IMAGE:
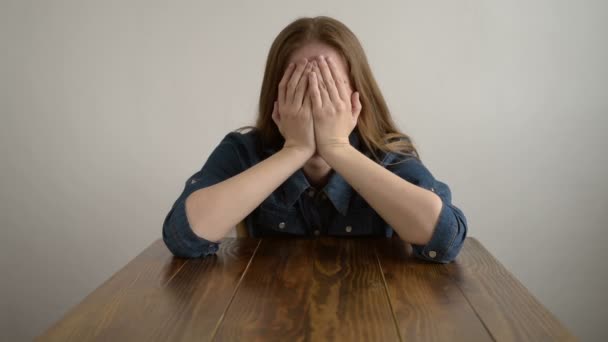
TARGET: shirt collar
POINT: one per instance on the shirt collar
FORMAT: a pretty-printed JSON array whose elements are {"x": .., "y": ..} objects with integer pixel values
[{"x": 337, "y": 189}]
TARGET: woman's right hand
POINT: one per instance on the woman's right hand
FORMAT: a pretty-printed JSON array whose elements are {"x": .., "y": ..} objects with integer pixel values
[{"x": 292, "y": 112}]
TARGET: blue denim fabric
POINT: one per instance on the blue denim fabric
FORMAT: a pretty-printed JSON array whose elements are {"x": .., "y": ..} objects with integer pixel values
[{"x": 298, "y": 209}]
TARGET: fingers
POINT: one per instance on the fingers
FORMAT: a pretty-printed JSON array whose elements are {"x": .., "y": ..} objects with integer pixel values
[
  {"x": 356, "y": 104},
  {"x": 301, "y": 88},
  {"x": 324, "y": 96},
  {"x": 283, "y": 83},
  {"x": 328, "y": 79},
  {"x": 339, "y": 79},
  {"x": 307, "y": 101},
  {"x": 313, "y": 90},
  {"x": 275, "y": 114},
  {"x": 295, "y": 79}
]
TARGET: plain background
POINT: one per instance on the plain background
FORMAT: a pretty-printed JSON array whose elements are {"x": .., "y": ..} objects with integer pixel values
[{"x": 107, "y": 107}]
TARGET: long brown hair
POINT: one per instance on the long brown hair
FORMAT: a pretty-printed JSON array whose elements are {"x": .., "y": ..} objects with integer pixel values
[{"x": 375, "y": 126}]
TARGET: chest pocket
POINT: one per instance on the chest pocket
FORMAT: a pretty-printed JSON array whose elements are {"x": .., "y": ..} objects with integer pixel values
[
  {"x": 272, "y": 220},
  {"x": 359, "y": 221}
]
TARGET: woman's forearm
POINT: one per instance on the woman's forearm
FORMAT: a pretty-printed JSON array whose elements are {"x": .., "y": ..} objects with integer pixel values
[
  {"x": 412, "y": 211},
  {"x": 214, "y": 210}
]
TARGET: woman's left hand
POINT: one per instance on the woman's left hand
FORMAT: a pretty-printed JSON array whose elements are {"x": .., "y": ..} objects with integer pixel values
[{"x": 335, "y": 107}]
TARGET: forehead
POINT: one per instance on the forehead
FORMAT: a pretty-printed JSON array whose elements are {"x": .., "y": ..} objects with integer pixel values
[{"x": 312, "y": 49}]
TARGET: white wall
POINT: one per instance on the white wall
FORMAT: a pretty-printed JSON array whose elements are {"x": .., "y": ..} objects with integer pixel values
[{"x": 108, "y": 106}]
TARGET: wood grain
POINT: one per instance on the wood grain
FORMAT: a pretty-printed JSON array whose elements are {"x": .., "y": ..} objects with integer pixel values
[
  {"x": 307, "y": 290},
  {"x": 503, "y": 304},
  {"x": 159, "y": 297},
  {"x": 311, "y": 290},
  {"x": 426, "y": 303}
]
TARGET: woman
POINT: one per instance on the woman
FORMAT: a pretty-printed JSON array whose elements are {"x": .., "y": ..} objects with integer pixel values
[{"x": 324, "y": 158}]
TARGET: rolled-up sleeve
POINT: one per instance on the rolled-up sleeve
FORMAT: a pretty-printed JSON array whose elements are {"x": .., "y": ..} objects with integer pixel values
[
  {"x": 180, "y": 239},
  {"x": 451, "y": 230}
]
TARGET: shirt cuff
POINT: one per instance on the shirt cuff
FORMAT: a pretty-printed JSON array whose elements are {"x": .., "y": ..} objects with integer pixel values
[
  {"x": 179, "y": 237},
  {"x": 443, "y": 246}
]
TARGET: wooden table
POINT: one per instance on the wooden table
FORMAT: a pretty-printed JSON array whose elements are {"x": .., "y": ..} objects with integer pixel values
[{"x": 323, "y": 289}]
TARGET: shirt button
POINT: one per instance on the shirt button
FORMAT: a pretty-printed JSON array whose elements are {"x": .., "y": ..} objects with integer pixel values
[
  {"x": 281, "y": 225},
  {"x": 433, "y": 189},
  {"x": 317, "y": 232},
  {"x": 432, "y": 254},
  {"x": 349, "y": 229},
  {"x": 311, "y": 193}
]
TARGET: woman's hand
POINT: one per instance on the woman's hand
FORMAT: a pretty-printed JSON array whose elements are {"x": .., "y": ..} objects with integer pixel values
[
  {"x": 292, "y": 112},
  {"x": 335, "y": 106}
]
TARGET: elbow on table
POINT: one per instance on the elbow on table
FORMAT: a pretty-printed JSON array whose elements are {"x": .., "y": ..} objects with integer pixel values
[
  {"x": 447, "y": 239},
  {"x": 182, "y": 249},
  {"x": 181, "y": 240}
]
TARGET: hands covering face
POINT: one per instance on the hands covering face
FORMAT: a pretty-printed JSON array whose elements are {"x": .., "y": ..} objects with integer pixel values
[
  {"x": 335, "y": 107},
  {"x": 316, "y": 108}
]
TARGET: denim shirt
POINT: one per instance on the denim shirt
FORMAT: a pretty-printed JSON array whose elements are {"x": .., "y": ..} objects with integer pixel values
[{"x": 298, "y": 209}]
